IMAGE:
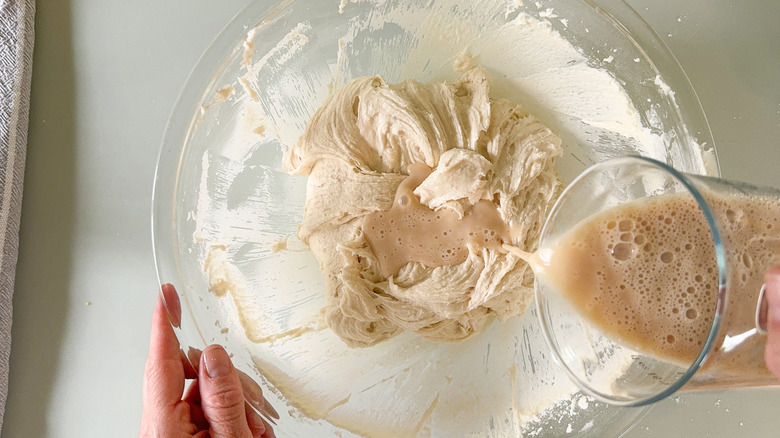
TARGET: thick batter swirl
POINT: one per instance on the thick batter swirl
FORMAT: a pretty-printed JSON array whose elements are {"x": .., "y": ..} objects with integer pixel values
[{"x": 358, "y": 149}]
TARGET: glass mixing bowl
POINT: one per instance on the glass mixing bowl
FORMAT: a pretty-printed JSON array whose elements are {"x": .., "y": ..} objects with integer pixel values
[{"x": 225, "y": 214}]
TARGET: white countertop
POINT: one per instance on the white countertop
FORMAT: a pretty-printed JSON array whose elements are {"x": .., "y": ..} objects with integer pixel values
[{"x": 105, "y": 76}]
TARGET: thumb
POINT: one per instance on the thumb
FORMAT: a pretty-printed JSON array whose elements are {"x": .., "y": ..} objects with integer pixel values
[
  {"x": 772, "y": 352},
  {"x": 222, "y": 397}
]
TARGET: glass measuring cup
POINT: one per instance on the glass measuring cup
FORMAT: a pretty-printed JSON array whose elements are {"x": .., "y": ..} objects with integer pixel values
[{"x": 607, "y": 343}]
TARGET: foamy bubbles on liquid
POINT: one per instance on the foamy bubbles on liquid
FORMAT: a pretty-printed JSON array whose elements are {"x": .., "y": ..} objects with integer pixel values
[
  {"x": 646, "y": 271},
  {"x": 411, "y": 232},
  {"x": 646, "y": 274}
]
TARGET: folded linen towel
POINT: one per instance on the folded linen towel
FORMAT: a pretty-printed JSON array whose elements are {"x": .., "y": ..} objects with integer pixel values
[{"x": 16, "y": 47}]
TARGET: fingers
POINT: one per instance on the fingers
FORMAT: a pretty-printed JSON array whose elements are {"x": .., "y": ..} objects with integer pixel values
[
  {"x": 189, "y": 371},
  {"x": 257, "y": 425},
  {"x": 192, "y": 397},
  {"x": 772, "y": 352},
  {"x": 254, "y": 396},
  {"x": 216, "y": 400},
  {"x": 172, "y": 304},
  {"x": 222, "y": 397},
  {"x": 253, "y": 393},
  {"x": 254, "y": 402},
  {"x": 164, "y": 373}
]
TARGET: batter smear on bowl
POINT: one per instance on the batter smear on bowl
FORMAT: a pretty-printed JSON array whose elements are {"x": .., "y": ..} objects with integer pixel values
[{"x": 412, "y": 190}]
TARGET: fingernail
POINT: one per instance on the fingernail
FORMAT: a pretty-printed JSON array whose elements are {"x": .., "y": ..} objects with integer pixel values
[
  {"x": 193, "y": 354},
  {"x": 172, "y": 304},
  {"x": 271, "y": 409},
  {"x": 216, "y": 361}
]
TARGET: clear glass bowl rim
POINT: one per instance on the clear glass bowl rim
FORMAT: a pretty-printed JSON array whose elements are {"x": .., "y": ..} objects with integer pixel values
[{"x": 184, "y": 115}]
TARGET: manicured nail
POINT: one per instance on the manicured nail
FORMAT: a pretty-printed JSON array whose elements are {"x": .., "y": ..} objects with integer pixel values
[
  {"x": 216, "y": 361},
  {"x": 271, "y": 410},
  {"x": 172, "y": 304},
  {"x": 193, "y": 354}
]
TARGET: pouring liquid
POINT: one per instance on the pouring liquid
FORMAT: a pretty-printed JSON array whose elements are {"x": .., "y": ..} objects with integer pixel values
[{"x": 645, "y": 274}]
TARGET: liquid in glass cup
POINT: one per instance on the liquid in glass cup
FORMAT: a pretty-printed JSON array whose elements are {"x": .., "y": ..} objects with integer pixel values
[{"x": 648, "y": 280}]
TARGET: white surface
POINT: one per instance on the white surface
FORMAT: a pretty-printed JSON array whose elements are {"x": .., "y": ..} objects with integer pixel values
[{"x": 105, "y": 76}]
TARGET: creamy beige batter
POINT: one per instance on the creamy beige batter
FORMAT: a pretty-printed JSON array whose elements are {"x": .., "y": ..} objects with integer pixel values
[
  {"x": 412, "y": 232},
  {"x": 357, "y": 150},
  {"x": 646, "y": 273}
]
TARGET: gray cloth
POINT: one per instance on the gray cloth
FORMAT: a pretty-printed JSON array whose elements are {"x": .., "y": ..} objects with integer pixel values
[{"x": 16, "y": 48}]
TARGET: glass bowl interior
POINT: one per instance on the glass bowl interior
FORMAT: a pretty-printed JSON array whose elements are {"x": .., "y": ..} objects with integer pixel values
[{"x": 225, "y": 215}]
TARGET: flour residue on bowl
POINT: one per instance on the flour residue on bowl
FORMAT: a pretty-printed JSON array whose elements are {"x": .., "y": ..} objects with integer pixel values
[{"x": 499, "y": 383}]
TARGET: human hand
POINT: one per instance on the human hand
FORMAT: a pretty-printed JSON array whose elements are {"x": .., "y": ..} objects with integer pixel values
[
  {"x": 214, "y": 405},
  {"x": 772, "y": 297}
]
